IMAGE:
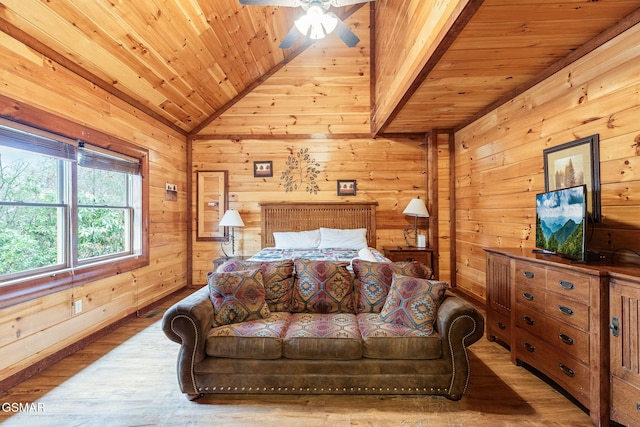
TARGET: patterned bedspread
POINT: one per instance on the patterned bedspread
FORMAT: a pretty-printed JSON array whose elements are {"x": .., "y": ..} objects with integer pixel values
[{"x": 273, "y": 254}]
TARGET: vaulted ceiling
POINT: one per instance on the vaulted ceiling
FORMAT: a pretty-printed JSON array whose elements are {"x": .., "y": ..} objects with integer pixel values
[{"x": 187, "y": 62}]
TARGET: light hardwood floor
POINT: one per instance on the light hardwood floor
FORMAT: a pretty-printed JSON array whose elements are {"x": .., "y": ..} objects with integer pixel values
[{"x": 128, "y": 378}]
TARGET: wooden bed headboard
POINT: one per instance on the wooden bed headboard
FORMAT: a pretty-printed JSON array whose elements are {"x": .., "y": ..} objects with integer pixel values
[{"x": 302, "y": 216}]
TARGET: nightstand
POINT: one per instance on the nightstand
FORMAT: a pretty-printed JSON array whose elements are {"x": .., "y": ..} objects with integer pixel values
[
  {"x": 407, "y": 253},
  {"x": 219, "y": 261}
]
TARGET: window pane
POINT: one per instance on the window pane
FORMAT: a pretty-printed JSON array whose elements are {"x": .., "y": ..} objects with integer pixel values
[
  {"x": 102, "y": 188},
  {"x": 28, "y": 177},
  {"x": 30, "y": 238},
  {"x": 102, "y": 231}
]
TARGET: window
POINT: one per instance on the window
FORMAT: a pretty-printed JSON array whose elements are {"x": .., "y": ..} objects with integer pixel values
[{"x": 70, "y": 211}]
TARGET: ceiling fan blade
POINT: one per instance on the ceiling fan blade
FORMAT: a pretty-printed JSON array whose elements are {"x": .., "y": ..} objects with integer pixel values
[
  {"x": 288, "y": 3},
  {"x": 345, "y": 33},
  {"x": 340, "y": 3},
  {"x": 290, "y": 38}
]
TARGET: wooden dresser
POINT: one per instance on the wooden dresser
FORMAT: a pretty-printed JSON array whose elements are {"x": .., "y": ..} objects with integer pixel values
[
  {"x": 554, "y": 316},
  {"x": 624, "y": 313}
]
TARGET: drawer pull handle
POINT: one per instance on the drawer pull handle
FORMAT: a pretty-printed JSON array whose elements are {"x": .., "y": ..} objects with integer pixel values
[
  {"x": 530, "y": 348},
  {"x": 638, "y": 406},
  {"x": 565, "y": 310},
  {"x": 528, "y": 274},
  {"x": 566, "y": 339},
  {"x": 567, "y": 370},
  {"x": 501, "y": 325},
  {"x": 528, "y": 320},
  {"x": 567, "y": 285},
  {"x": 528, "y": 296},
  {"x": 615, "y": 326}
]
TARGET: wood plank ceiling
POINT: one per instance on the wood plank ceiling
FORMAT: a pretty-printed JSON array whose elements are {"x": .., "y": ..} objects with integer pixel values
[{"x": 185, "y": 62}]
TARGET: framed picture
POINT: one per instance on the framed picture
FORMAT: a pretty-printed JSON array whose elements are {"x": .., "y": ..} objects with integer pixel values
[
  {"x": 346, "y": 187},
  {"x": 262, "y": 169},
  {"x": 575, "y": 163}
]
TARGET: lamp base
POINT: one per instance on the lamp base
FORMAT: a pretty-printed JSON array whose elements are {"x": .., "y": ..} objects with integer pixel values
[{"x": 410, "y": 236}]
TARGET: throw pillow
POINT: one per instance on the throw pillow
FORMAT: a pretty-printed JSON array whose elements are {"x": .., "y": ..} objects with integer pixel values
[
  {"x": 331, "y": 238},
  {"x": 296, "y": 239},
  {"x": 238, "y": 296},
  {"x": 373, "y": 280},
  {"x": 277, "y": 278},
  {"x": 322, "y": 287},
  {"x": 413, "y": 302}
]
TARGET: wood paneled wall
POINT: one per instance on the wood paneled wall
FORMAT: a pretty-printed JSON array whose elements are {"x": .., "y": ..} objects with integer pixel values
[
  {"x": 389, "y": 171},
  {"x": 499, "y": 158},
  {"x": 32, "y": 331}
]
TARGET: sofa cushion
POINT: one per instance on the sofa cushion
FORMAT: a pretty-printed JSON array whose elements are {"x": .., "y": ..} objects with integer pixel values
[
  {"x": 322, "y": 287},
  {"x": 413, "y": 302},
  {"x": 277, "y": 278},
  {"x": 255, "y": 339},
  {"x": 373, "y": 280},
  {"x": 237, "y": 296},
  {"x": 323, "y": 336},
  {"x": 383, "y": 340}
]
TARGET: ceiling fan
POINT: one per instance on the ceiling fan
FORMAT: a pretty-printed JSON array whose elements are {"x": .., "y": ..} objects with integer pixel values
[{"x": 317, "y": 22}]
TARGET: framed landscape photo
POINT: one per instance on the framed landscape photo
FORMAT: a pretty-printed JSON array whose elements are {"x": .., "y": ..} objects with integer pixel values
[
  {"x": 346, "y": 187},
  {"x": 263, "y": 169},
  {"x": 576, "y": 163}
]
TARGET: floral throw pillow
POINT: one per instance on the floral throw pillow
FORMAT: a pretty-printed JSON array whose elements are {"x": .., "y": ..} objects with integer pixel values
[
  {"x": 322, "y": 287},
  {"x": 413, "y": 302},
  {"x": 373, "y": 280},
  {"x": 238, "y": 296}
]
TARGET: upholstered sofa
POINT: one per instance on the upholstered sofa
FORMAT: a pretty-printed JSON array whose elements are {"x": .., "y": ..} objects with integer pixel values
[{"x": 322, "y": 327}]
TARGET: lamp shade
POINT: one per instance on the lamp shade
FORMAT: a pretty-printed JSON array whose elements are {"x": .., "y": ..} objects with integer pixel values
[
  {"x": 231, "y": 218},
  {"x": 416, "y": 207}
]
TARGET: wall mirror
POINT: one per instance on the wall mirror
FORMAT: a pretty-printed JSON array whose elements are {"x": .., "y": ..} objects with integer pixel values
[{"x": 212, "y": 203}]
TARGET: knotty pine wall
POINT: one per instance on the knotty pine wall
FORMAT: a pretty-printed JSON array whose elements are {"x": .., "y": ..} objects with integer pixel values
[
  {"x": 499, "y": 158},
  {"x": 32, "y": 331},
  {"x": 389, "y": 171}
]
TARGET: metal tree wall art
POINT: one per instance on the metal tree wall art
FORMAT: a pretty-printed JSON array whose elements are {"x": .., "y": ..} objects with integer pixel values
[{"x": 302, "y": 171}]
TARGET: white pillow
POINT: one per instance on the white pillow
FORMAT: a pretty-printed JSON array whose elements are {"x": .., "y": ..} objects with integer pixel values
[
  {"x": 296, "y": 239},
  {"x": 365, "y": 254},
  {"x": 355, "y": 238}
]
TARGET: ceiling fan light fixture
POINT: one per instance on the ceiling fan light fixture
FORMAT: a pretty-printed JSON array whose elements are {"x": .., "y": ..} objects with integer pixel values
[{"x": 316, "y": 24}]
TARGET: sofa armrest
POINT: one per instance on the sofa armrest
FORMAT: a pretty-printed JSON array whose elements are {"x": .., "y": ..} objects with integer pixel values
[
  {"x": 187, "y": 322},
  {"x": 460, "y": 325}
]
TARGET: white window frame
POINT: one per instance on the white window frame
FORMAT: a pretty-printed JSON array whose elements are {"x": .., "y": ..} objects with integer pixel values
[{"x": 22, "y": 286}]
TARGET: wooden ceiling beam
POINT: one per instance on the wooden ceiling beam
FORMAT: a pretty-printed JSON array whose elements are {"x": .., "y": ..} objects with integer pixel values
[{"x": 447, "y": 40}]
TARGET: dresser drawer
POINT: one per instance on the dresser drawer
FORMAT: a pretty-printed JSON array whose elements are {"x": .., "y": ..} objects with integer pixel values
[
  {"x": 567, "y": 310},
  {"x": 569, "y": 284},
  {"x": 569, "y": 373},
  {"x": 563, "y": 337},
  {"x": 533, "y": 297},
  {"x": 530, "y": 275},
  {"x": 499, "y": 326},
  {"x": 625, "y": 402}
]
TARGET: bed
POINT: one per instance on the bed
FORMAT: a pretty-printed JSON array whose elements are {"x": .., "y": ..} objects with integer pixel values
[{"x": 293, "y": 219}]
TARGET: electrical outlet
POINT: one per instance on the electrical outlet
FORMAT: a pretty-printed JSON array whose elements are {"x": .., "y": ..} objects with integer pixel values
[{"x": 78, "y": 306}]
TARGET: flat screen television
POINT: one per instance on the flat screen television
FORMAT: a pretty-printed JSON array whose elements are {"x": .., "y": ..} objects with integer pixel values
[{"x": 561, "y": 221}]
